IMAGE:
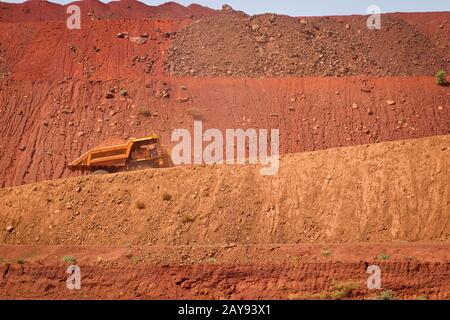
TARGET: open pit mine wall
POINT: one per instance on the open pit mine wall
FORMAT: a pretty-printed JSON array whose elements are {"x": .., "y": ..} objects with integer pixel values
[
  {"x": 47, "y": 124},
  {"x": 395, "y": 191}
]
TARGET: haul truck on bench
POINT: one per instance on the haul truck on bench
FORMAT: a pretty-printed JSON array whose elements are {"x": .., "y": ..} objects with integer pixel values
[{"x": 135, "y": 154}]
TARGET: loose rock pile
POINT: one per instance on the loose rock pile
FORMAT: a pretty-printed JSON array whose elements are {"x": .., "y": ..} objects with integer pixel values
[{"x": 272, "y": 45}]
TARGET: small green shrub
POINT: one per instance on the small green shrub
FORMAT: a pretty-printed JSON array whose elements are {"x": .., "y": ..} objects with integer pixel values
[
  {"x": 343, "y": 289},
  {"x": 384, "y": 256},
  {"x": 326, "y": 253},
  {"x": 21, "y": 261},
  {"x": 69, "y": 259},
  {"x": 441, "y": 78},
  {"x": 338, "y": 295},
  {"x": 386, "y": 295}
]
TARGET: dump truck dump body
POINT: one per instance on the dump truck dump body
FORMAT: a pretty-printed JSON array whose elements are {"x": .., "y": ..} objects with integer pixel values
[{"x": 136, "y": 152}]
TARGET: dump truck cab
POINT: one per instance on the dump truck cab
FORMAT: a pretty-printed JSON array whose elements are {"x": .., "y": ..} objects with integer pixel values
[{"x": 135, "y": 154}]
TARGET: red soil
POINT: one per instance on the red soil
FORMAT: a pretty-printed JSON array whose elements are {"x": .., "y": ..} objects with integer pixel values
[
  {"x": 62, "y": 93},
  {"x": 48, "y": 124},
  {"x": 228, "y": 232},
  {"x": 270, "y": 45},
  {"x": 95, "y": 51},
  {"x": 30, "y": 11},
  {"x": 37, "y": 10},
  {"x": 392, "y": 191},
  {"x": 434, "y": 24},
  {"x": 411, "y": 271},
  {"x": 50, "y": 51}
]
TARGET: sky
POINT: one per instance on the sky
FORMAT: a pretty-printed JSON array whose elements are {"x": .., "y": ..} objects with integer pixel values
[{"x": 312, "y": 7}]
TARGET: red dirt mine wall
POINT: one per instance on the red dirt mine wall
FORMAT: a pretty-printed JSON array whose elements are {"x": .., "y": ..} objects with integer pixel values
[
  {"x": 222, "y": 231},
  {"x": 392, "y": 191},
  {"x": 37, "y": 10},
  {"x": 298, "y": 281},
  {"x": 222, "y": 46},
  {"x": 50, "y": 51},
  {"x": 48, "y": 124}
]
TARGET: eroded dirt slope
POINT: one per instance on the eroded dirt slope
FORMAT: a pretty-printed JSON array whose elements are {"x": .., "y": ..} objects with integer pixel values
[
  {"x": 106, "y": 49},
  {"x": 409, "y": 271},
  {"x": 383, "y": 192},
  {"x": 45, "y": 125}
]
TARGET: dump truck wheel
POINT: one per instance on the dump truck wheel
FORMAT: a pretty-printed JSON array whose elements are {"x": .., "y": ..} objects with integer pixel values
[{"x": 99, "y": 172}]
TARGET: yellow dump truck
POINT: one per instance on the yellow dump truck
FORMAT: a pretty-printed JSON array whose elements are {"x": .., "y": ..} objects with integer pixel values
[{"x": 135, "y": 154}]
